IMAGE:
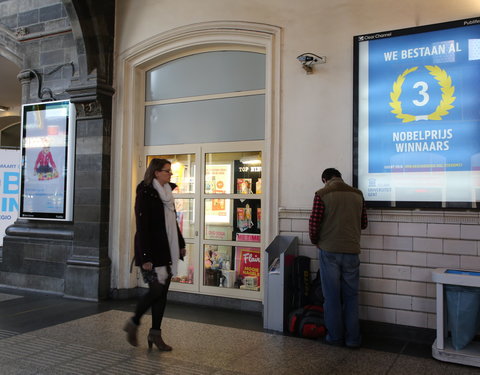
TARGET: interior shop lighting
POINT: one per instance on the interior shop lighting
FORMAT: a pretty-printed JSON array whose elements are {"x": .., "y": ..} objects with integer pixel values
[
  {"x": 3, "y": 108},
  {"x": 255, "y": 159}
]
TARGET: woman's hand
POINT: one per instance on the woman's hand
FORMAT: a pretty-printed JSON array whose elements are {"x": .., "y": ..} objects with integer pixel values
[{"x": 147, "y": 266}]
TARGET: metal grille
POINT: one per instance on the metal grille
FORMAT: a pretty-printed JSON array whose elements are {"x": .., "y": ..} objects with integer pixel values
[
  {"x": 6, "y": 334},
  {"x": 47, "y": 356}
]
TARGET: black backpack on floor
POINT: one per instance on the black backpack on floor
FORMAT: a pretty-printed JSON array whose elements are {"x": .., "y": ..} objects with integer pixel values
[
  {"x": 316, "y": 293},
  {"x": 300, "y": 282}
]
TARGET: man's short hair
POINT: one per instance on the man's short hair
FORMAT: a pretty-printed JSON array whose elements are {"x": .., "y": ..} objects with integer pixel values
[{"x": 329, "y": 173}]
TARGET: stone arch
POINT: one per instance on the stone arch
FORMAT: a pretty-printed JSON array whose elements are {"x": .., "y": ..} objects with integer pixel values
[
  {"x": 10, "y": 48},
  {"x": 92, "y": 24}
]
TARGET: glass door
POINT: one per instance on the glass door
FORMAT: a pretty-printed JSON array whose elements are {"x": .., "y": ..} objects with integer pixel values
[
  {"x": 219, "y": 209},
  {"x": 231, "y": 225}
]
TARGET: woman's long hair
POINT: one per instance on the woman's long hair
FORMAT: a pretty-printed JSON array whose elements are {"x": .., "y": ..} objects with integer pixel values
[{"x": 155, "y": 165}]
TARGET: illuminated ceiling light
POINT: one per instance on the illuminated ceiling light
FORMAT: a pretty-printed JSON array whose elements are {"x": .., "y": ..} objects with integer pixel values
[
  {"x": 3, "y": 108},
  {"x": 255, "y": 159},
  {"x": 176, "y": 167}
]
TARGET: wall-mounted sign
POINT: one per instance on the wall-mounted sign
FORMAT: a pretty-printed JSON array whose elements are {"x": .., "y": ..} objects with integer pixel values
[
  {"x": 9, "y": 188},
  {"x": 48, "y": 151},
  {"x": 417, "y": 124}
]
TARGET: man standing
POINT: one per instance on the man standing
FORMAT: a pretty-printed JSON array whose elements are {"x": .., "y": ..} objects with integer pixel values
[{"x": 335, "y": 225}]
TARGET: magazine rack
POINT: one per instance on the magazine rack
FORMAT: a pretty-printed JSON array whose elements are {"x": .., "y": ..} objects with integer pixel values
[
  {"x": 278, "y": 293},
  {"x": 442, "y": 348}
]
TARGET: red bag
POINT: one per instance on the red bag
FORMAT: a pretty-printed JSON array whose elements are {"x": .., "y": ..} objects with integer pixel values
[{"x": 307, "y": 321}]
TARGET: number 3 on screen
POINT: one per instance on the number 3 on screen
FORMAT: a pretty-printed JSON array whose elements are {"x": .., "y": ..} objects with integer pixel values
[{"x": 423, "y": 92}]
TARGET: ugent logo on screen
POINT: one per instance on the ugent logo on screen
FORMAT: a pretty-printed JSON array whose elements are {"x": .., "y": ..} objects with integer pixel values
[{"x": 445, "y": 82}]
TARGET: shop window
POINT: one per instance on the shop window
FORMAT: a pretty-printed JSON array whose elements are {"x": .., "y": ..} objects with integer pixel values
[
  {"x": 232, "y": 267},
  {"x": 232, "y": 213}
]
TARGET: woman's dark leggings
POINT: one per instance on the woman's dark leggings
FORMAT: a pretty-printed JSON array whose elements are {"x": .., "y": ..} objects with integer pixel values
[{"x": 155, "y": 298}]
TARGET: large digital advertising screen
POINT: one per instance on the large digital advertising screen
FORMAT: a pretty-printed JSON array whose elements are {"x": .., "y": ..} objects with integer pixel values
[
  {"x": 417, "y": 116},
  {"x": 48, "y": 151}
]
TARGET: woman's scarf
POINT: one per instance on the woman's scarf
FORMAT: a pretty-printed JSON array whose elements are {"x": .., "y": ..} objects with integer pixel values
[{"x": 166, "y": 196}]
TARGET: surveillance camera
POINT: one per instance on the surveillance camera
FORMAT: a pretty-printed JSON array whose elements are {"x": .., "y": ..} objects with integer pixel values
[
  {"x": 307, "y": 58},
  {"x": 311, "y": 58}
]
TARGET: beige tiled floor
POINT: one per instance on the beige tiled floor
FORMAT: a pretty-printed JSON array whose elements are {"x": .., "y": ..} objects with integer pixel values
[{"x": 96, "y": 345}]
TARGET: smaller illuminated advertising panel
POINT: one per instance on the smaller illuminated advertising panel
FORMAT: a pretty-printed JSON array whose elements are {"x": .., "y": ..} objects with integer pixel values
[{"x": 48, "y": 150}]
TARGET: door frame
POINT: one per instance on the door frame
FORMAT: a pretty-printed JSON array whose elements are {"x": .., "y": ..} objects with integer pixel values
[{"x": 127, "y": 144}]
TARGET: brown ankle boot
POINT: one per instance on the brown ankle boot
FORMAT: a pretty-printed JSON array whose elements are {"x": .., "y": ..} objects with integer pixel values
[
  {"x": 131, "y": 328},
  {"x": 155, "y": 337}
]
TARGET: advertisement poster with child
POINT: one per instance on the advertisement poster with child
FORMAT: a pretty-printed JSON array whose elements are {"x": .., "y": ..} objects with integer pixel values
[{"x": 45, "y": 147}]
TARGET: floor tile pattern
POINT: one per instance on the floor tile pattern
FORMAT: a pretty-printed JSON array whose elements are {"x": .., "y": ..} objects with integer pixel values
[
  {"x": 49, "y": 335},
  {"x": 96, "y": 345}
]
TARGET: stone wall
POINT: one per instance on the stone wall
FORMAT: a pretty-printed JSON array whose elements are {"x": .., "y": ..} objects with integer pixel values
[
  {"x": 44, "y": 37},
  {"x": 35, "y": 253},
  {"x": 66, "y": 52}
]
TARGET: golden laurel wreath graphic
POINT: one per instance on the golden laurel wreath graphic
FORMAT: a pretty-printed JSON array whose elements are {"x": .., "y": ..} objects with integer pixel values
[{"x": 445, "y": 82}]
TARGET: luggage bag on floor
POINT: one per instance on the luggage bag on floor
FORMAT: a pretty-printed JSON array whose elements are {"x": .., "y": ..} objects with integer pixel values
[
  {"x": 300, "y": 282},
  {"x": 307, "y": 321}
]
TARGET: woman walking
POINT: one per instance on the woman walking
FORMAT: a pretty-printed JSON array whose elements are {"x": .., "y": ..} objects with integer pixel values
[{"x": 159, "y": 245}]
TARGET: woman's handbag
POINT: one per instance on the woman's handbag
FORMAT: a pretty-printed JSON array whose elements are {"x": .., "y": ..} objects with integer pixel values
[{"x": 149, "y": 276}]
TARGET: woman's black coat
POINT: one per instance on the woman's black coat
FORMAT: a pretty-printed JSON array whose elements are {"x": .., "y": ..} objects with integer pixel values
[{"x": 151, "y": 242}]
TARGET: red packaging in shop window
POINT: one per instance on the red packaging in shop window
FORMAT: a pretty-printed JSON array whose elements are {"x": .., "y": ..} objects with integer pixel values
[{"x": 248, "y": 262}]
